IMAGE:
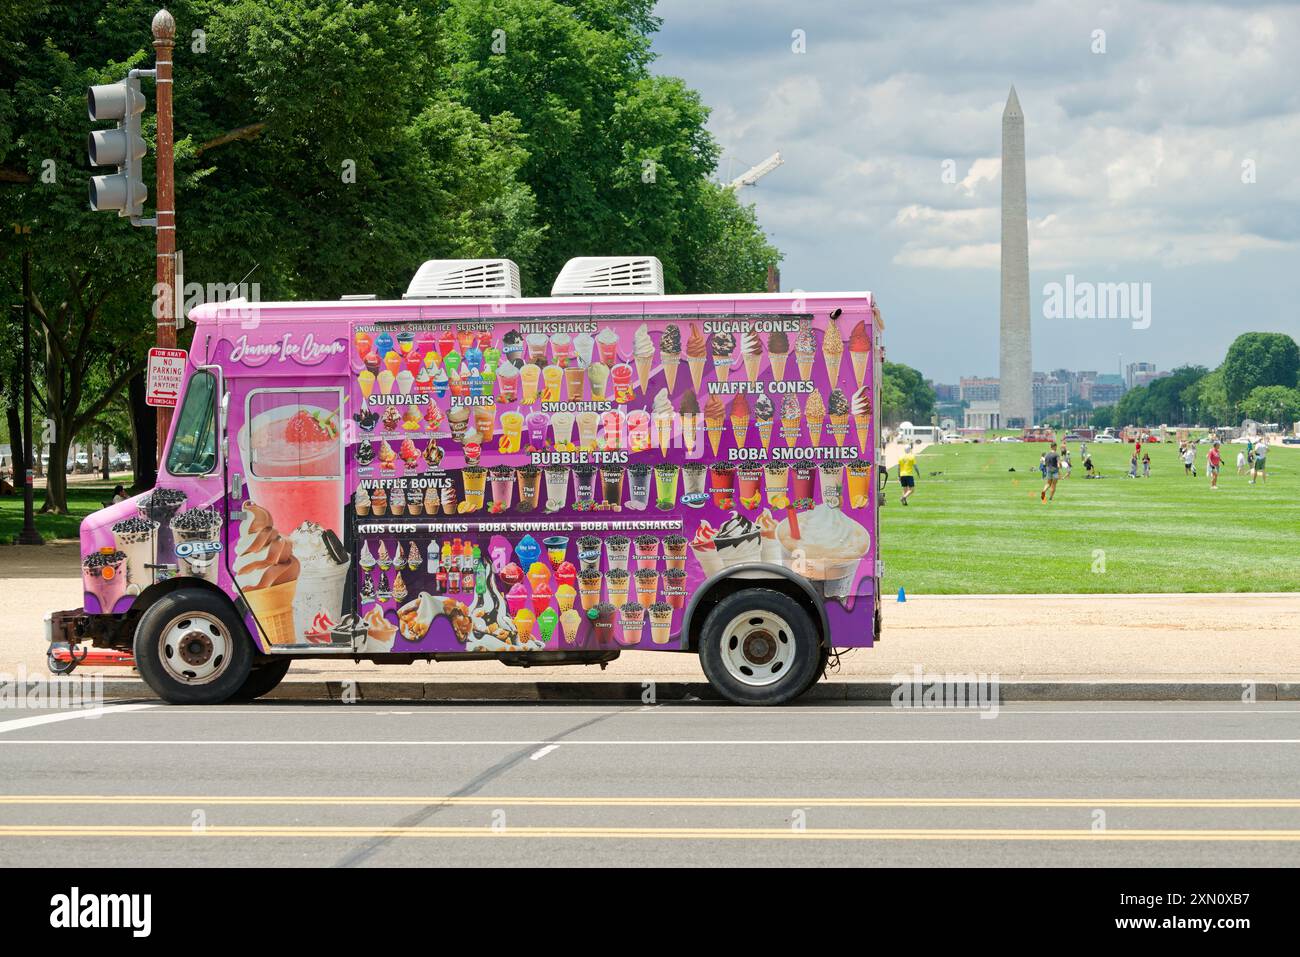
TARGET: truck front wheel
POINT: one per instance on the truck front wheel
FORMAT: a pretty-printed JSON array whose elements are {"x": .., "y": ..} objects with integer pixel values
[
  {"x": 262, "y": 680},
  {"x": 191, "y": 648},
  {"x": 759, "y": 647}
]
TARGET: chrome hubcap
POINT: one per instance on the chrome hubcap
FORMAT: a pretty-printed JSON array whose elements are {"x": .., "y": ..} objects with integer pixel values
[
  {"x": 195, "y": 648},
  {"x": 757, "y": 648}
]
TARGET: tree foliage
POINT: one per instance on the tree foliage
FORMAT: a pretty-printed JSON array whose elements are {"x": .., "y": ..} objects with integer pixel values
[
  {"x": 905, "y": 396},
  {"x": 1272, "y": 403},
  {"x": 326, "y": 147},
  {"x": 1163, "y": 401},
  {"x": 1259, "y": 359}
]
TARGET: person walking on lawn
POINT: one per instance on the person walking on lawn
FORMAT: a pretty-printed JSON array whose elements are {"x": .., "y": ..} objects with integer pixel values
[
  {"x": 1261, "y": 454},
  {"x": 907, "y": 474},
  {"x": 1052, "y": 473},
  {"x": 1214, "y": 460}
]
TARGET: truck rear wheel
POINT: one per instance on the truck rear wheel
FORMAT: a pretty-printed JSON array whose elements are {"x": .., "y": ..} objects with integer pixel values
[
  {"x": 262, "y": 680},
  {"x": 759, "y": 647},
  {"x": 191, "y": 648}
]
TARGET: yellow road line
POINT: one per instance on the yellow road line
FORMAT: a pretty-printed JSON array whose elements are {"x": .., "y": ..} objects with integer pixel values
[
  {"x": 729, "y": 802},
  {"x": 650, "y": 833}
]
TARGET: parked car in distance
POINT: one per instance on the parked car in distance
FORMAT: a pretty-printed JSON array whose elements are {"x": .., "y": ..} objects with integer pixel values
[{"x": 1106, "y": 440}]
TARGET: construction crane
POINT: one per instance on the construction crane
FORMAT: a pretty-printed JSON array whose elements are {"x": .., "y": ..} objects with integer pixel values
[{"x": 752, "y": 176}]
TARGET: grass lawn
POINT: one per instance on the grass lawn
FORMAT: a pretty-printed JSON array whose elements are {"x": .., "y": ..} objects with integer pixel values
[
  {"x": 976, "y": 527},
  {"x": 83, "y": 498}
]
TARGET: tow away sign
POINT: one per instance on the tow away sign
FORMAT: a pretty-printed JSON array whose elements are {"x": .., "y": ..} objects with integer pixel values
[{"x": 166, "y": 369}]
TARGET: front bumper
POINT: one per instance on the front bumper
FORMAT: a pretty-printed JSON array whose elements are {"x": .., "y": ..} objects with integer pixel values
[{"x": 65, "y": 630}]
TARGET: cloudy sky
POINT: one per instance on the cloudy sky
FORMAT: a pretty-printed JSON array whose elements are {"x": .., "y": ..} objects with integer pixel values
[{"x": 1135, "y": 161}]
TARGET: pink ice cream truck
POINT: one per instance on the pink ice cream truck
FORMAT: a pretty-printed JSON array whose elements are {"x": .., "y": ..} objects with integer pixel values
[{"x": 464, "y": 474}]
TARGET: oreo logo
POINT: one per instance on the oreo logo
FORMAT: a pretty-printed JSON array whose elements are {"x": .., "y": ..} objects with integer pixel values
[
  {"x": 196, "y": 549},
  {"x": 695, "y": 499}
]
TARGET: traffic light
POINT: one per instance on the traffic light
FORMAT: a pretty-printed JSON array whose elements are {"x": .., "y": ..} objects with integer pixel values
[{"x": 122, "y": 147}]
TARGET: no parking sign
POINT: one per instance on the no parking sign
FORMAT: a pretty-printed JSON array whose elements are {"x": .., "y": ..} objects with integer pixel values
[{"x": 166, "y": 370}]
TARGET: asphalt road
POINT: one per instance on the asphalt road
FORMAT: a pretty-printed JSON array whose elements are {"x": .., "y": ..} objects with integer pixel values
[{"x": 369, "y": 785}]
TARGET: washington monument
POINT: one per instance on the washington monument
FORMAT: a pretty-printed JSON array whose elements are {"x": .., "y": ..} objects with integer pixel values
[{"x": 1016, "y": 372}]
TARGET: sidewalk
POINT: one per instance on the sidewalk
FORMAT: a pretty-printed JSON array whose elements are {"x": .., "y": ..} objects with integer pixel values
[{"x": 1130, "y": 638}]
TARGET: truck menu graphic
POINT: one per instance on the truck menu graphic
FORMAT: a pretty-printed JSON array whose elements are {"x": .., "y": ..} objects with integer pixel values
[
  {"x": 481, "y": 484},
  {"x": 567, "y": 483}
]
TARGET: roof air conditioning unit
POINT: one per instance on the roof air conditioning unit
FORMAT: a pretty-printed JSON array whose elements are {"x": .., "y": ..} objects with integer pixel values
[
  {"x": 610, "y": 275},
  {"x": 465, "y": 279}
]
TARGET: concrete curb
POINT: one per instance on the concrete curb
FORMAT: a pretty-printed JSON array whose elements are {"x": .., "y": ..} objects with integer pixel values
[{"x": 633, "y": 691}]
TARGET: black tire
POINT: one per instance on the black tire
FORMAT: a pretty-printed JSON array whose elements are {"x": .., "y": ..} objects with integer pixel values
[
  {"x": 262, "y": 680},
  {"x": 823, "y": 659},
  {"x": 202, "y": 616},
  {"x": 724, "y": 655}
]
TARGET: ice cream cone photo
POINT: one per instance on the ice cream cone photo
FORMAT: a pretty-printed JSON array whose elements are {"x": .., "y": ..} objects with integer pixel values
[
  {"x": 715, "y": 414},
  {"x": 832, "y": 347},
  {"x": 862, "y": 428},
  {"x": 670, "y": 354},
  {"x": 840, "y": 428},
  {"x": 691, "y": 433},
  {"x": 777, "y": 360},
  {"x": 696, "y": 365},
  {"x": 273, "y": 609},
  {"x": 692, "y": 420},
  {"x": 739, "y": 415},
  {"x": 671, "y": 362},
  {"x": 643, "y": 350},
  {"x": 696, "y": 355},
  {"x": 805, "y": 350},
  {"x": 860, "y": 367},
  {"x": 815, "y": 412},
  {"x": 791, "y": 420},
  {"x": 860, "y": 351}
]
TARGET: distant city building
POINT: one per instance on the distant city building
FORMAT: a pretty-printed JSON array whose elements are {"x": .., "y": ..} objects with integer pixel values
[
  {"x": 979, "y": 390},
  {"x": 1146, "y": 378},
  {"x": 1106, "y": 390},
  {"x": 982, "y": 414},
  {"x": 1049, "y": 393},
  {"x": 946, "y": 393},
  {"x": 1135, "y": 371}
]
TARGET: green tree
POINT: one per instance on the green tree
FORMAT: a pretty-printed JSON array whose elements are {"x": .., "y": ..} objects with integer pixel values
[
  {"x": 1257, "y": 359},
  {"x": 1272, "y": 403},
  {"x": 618, "y": 158},
  {"x": 329, "y": 146},
  {"x": 315, "y": 153},
  {"x": 905, "y": 396}
]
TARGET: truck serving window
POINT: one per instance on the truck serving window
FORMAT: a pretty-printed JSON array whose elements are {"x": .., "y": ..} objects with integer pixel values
[{"x": 194, "y": 441}]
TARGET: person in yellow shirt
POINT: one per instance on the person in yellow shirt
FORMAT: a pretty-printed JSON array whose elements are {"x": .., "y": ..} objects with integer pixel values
[{"x": 907, "y": 473}]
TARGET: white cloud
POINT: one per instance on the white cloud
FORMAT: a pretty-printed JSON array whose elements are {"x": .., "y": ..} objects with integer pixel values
[{"x": 1134, "y": 157}]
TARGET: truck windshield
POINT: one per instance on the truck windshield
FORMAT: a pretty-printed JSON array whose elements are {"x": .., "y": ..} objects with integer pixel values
[{"x": 194, "y": 442}]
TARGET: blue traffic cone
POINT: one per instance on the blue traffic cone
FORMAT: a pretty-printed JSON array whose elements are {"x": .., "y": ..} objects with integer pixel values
[{"x": 902, "y": 595}]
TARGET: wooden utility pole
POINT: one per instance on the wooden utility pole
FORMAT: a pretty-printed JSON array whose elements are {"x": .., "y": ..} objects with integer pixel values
[
  {"x": 164, "y": 38},
  {"x": 773, "y": 278}
]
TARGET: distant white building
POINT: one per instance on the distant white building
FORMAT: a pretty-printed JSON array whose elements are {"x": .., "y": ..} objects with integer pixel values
[{"x": 985, "y": 414}]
